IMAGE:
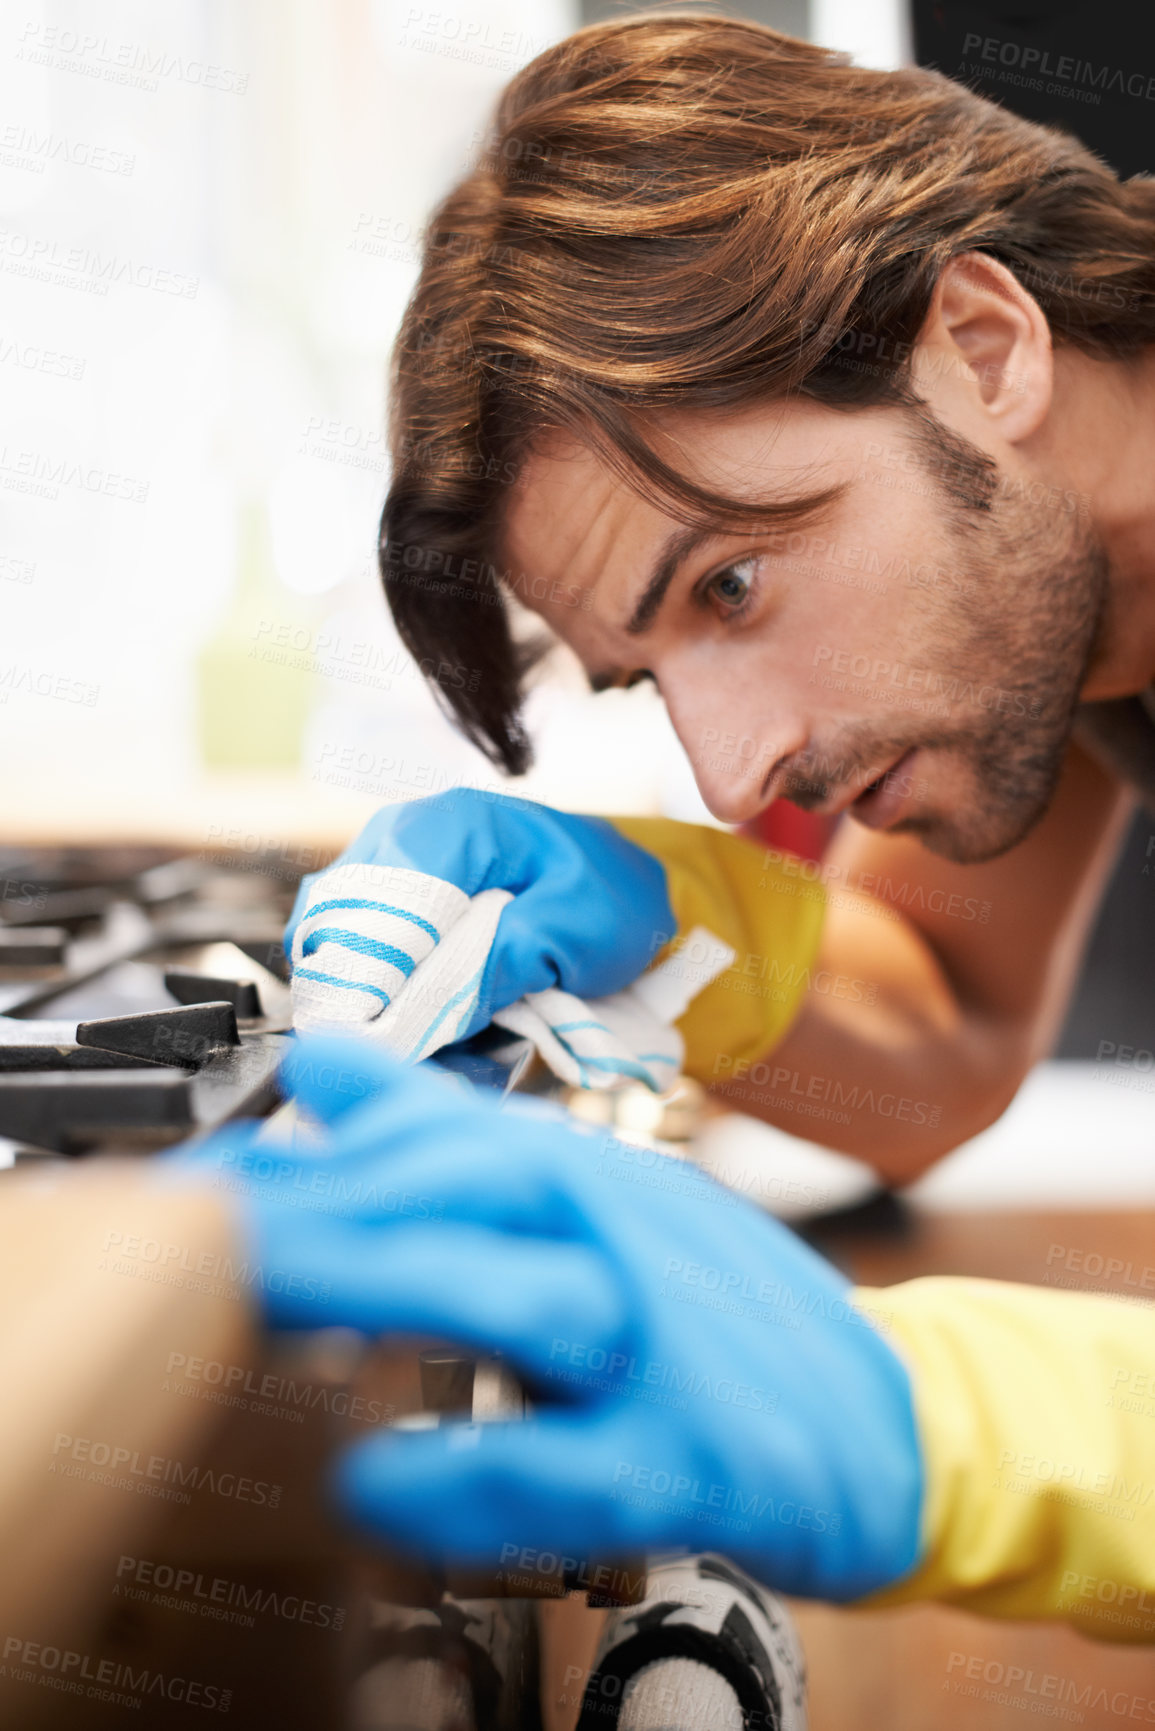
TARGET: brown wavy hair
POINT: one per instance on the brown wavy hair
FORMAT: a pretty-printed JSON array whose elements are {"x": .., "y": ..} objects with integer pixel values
[{"x": 691, "y": 212}]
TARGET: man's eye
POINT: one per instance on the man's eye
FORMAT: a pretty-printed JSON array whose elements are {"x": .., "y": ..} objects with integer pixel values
[{"x": 733, "y": 585}]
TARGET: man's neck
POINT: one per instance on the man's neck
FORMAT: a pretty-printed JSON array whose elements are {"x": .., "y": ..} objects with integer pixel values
[{"x": 1101, "y": 436}]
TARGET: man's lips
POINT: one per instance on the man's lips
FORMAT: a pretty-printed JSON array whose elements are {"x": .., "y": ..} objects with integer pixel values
[
  {"x": 847, "y": 798},
  {"x": 877, "y": 792},
  {"x": 881, "y": 804},
  {"x": 876, "y": 802}
]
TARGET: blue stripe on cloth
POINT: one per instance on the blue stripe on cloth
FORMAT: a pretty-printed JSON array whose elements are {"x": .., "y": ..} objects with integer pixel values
[
  {"x": 362, "y": 945},
  {"x": 375, "y": 907},
  {"x": 451, "y": 1004},
  {"x": 349, "y": 985},
  {"x": 572, "y": 1027},
  {"x": 623, "y": 1066}
]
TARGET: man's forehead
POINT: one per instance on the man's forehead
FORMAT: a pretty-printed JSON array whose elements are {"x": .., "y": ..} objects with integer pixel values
[
  {"x": 563, "y": 492},
  {"x": 571, "y": 539},
  {"x": 755, "y": 450}
]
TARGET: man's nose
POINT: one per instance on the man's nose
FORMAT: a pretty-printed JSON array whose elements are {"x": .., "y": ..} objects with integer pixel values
[{"x": 738, "y": 771}]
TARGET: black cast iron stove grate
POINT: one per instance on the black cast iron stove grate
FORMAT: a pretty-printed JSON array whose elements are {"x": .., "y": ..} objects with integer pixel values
[{"x": 143, "y": 998}]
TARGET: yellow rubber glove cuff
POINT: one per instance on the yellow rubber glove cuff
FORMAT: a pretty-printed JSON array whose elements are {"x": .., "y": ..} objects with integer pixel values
[
  {"x": 1037, "y": 1415},
  {"x": 770, "y": 918}
]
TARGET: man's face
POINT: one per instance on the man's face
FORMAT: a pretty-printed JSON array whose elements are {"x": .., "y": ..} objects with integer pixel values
[{"x": 899, "y": 656}]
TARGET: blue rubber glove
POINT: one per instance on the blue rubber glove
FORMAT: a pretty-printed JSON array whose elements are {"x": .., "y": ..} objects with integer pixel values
[
  {"x": 702, "y": 1379},
  {"x": 590, "y": 909}
]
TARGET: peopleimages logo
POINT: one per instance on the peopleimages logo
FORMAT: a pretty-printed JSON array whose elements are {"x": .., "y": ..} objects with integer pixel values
[
  {"x": 108, "y": 1679},
  {"x": 1020, "y": 1686},
  {"x": 136, "y": 64},
  {"x": 153, "y": 1475},
  {"x": 215, "y": 1596},
  {"x": 1040, "y": 63},
  {"x": 1107, "y": 1592},
  {"x": 276, "y": 1396},
  {"x": 621, "y": 1369},
  {"x": 951, "y": 689},
  {"x": 689, "y": 1495}
]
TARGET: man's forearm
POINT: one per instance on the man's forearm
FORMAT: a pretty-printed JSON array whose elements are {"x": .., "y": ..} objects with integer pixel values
[{"x": 896, "y": 1087}]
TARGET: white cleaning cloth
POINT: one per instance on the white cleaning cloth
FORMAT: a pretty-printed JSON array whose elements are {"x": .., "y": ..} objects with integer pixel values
[{"x": 399, "y": 957}]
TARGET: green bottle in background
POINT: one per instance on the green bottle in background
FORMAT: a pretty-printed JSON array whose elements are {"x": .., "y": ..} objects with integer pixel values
[{"x": 255, "y": 675}]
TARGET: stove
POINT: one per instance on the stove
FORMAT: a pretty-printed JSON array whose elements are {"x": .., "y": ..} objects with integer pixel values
[
  {"x": 143, "y": 997},
  {"x": 143, "y": 1002}
]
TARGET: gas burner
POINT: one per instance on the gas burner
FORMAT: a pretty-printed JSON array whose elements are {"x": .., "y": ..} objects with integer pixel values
[{"x": 143, "y": 999}]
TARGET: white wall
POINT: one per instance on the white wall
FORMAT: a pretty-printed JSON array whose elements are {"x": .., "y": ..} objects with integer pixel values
[
  {"x": 210, "y": 222},
  {"x": 875, "y": 32}
]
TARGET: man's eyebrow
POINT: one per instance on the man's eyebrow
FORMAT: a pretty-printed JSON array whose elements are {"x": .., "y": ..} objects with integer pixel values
[
  {"x": 683, "y": 542},
  {"x": 677, "y": 547}
]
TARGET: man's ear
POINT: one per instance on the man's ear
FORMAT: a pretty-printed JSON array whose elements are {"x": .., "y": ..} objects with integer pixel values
[{"x": 986, "y": 339}]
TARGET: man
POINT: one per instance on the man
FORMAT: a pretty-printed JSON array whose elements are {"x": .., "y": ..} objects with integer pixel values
[{"x": 823, "y": 397}]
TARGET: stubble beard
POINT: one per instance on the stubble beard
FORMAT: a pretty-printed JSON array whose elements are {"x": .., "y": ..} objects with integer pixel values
[
  {"x": 1040, "y": 588},
  {"x": 1018, "y": 644}
]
